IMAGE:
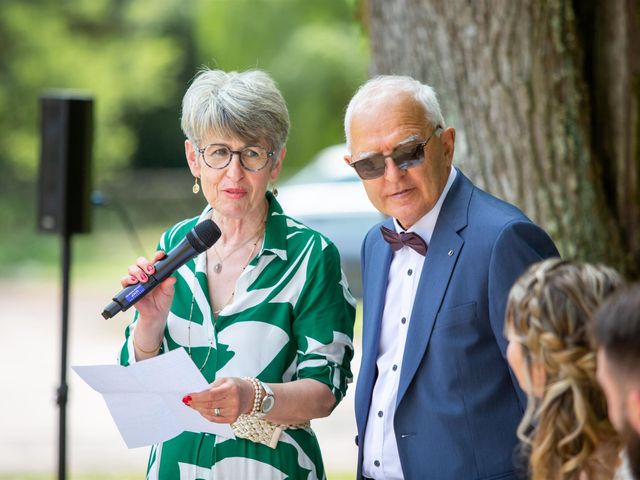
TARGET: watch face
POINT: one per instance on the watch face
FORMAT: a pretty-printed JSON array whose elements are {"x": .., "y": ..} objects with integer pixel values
[{"x": 267, "y": 404}]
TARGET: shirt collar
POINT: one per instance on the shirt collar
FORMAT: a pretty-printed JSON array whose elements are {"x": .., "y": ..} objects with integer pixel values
[
  {"x": 425, "y": 226},
  {"x": 275, "y": 235}
]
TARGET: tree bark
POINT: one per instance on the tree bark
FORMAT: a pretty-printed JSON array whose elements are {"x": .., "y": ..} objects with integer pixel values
[{"x": 544, "y": 95}]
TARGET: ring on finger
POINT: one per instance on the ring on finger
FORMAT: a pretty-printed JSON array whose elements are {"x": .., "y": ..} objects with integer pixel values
[{"x": 216, "y": 412}]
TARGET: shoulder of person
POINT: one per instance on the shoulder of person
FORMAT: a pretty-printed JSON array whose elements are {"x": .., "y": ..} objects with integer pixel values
[
  {"x": 300, "y": 234},
  {"x": 492, "y": 211},
  {"x": 490, "y": 219}
]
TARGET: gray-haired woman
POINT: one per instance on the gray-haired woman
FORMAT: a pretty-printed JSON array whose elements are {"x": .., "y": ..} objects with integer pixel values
[{"x": 265, "y": 314}]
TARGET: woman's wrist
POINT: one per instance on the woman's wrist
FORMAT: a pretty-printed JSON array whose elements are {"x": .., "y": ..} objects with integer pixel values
[
  {"x": 255, "y": 397},
  {"x": 142, "y": 343}
]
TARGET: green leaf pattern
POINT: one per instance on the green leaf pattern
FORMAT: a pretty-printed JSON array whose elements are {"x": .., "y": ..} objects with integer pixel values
[{"x": 291, "y": 318}]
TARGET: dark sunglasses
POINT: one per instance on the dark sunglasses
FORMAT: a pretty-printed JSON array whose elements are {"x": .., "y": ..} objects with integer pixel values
[{"x": 404, "y": 156}]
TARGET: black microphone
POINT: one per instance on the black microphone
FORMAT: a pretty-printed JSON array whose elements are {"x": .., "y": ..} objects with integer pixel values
[{"x": 199, "y": 239}]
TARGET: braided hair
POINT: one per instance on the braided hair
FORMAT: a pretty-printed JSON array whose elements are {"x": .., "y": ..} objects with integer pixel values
[{"x": 548, "y": 312}]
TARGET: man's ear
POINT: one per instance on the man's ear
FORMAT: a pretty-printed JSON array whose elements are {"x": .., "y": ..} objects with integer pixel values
[
  {"x": 633, "y": 408},
  {"x": 448, "y": 139},
  {"x": 192, "y": 158}
]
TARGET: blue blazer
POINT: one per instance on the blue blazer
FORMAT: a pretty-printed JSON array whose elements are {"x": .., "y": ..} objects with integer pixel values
[{"x": 458, "y": 405}]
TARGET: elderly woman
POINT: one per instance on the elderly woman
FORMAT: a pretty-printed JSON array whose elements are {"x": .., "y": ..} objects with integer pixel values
[
  {"x": 265, "y": 314},
  {"x": 565, "y": 430}
]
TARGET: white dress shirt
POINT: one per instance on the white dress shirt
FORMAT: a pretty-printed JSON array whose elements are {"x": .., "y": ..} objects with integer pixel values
[{"x": 380, "y": 456}]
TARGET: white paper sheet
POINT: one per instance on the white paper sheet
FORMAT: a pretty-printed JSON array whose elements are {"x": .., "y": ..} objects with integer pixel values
[{"x": 145, "y": 398}]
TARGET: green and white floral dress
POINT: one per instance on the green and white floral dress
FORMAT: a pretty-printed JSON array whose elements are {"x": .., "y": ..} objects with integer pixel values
[{"x": 292, "y": 317}]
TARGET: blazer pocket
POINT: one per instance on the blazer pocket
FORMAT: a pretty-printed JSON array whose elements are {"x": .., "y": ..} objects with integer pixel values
[{"x": 455, "y": 316}]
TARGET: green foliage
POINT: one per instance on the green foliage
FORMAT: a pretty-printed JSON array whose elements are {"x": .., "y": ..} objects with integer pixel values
[
  {"x": 121, "y": 52},
  {"x": 136, "y": 58},
  {"x": 315, "y": 50}
]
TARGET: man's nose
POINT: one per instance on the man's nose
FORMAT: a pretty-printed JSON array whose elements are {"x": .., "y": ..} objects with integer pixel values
[{"x": 391, "y": 170}]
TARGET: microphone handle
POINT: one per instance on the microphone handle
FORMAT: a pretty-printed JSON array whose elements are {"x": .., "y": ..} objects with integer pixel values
[{"x": 128, "y": 296}]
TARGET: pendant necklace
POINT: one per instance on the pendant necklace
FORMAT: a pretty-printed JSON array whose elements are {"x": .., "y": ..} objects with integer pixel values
[
  {"x": 215, "y": 312},
  {"x": 230, "y": 299},
  {"x": 193, "y": 299},
  {"x": 217, "y": 268}
]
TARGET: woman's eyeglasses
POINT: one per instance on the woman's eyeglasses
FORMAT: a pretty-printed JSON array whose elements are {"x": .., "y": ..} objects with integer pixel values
[
  {"x": 404, "y": 156},
  {"x": 219, "y": 156}
]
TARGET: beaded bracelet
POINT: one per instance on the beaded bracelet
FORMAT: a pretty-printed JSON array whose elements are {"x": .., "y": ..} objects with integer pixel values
[
  {"x": 264, "y": 431},
  {"x": 147, "y": 352},
  {"x": 257, "y": 388}
]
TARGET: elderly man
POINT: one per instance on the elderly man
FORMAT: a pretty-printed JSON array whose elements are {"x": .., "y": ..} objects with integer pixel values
[
  {"x": 435, "y": 398},
  {"x": 617, "y": 331}
]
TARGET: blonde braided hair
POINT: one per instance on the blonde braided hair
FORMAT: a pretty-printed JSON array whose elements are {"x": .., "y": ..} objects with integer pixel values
[{"x": 548, "y": 312}]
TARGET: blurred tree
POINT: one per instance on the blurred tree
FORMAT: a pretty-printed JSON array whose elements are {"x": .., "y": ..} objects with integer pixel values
[
  {"x": 546, "y": 99},
  {"x": 136, "y": 57},
  {"x": 123, "y": 52},
  {"x": 314, "y": 50}
]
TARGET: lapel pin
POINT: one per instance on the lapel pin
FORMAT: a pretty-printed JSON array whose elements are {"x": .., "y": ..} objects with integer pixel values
[{"x": 450, "y": 253}]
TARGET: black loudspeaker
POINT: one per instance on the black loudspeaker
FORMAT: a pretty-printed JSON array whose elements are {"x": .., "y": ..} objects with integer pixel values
[{"x": 64, "y": 180}]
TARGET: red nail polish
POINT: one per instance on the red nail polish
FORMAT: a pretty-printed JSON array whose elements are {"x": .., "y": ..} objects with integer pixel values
[
  {"x": 133, "y": 279},
  {"x": 186, "y": 399},
  {"x": 149, "y": 268},
  {"x": 143, "y": 277}
]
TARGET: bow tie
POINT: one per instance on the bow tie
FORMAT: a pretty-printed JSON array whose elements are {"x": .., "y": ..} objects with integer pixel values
[{"x": 404, "y": 239}]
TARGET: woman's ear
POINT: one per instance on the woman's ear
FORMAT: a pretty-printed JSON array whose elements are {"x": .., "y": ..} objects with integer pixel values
[
  {"x": 277, "y": 165},
  {"x": 192, "y": 158}
]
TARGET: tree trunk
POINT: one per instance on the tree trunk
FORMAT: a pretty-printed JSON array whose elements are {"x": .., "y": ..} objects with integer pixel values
[{"x": 545, "y": 98}]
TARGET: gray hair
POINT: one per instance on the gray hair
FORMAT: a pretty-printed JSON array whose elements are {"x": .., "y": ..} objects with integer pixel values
[
  {"x": 386, "y": 84},
  {"x": 247, "y": 105}
]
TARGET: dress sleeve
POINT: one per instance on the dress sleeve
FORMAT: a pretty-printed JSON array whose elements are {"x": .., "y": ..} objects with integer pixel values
[{"x": 323, "y": 322}]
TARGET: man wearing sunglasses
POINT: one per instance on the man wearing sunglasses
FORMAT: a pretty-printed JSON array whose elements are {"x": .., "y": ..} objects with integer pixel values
[{"x": 435, "y": 398}]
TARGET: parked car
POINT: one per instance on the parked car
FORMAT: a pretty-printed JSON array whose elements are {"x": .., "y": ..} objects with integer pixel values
[{"x": 328, "y": 196}]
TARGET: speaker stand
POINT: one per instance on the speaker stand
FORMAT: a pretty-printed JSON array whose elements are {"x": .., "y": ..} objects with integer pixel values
[{"x": 63, "y": 390}]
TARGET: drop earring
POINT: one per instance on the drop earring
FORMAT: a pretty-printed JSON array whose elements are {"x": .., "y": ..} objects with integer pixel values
[
  {"x": 274, "y": 191},
  {"x": 196, "y": 188}
]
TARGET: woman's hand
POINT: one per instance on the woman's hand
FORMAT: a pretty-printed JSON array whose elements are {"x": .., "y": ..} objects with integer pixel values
[
  {"x": 295, "y": 402},
  {"x": 153, "y": 308},
  {"x": 224, "y": 400}
]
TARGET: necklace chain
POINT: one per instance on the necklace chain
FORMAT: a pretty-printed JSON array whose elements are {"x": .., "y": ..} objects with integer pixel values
[
  {"x": 217, "y": 268},
  {"x": 216, "y": 312},
  {"x": 253, "y": 249},
  {"x": 193, "y": 299}
]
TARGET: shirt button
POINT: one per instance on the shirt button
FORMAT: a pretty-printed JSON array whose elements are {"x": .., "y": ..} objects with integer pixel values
[
  {"x": 403, "y": 320},
  {"x": 380, "y": 413},
  {"x": 376, "y": 463},
  {"x": 394, "y": 368},
  {"x": 409, "y": 272}
]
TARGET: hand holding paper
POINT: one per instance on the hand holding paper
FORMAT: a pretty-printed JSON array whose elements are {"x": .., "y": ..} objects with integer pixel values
[{"x": 145, "y": 399}]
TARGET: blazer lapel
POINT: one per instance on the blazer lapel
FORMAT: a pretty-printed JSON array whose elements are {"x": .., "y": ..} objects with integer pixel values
[
  {"x": 439, "y": 263},
  {"x": 379, "y": 258}
]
